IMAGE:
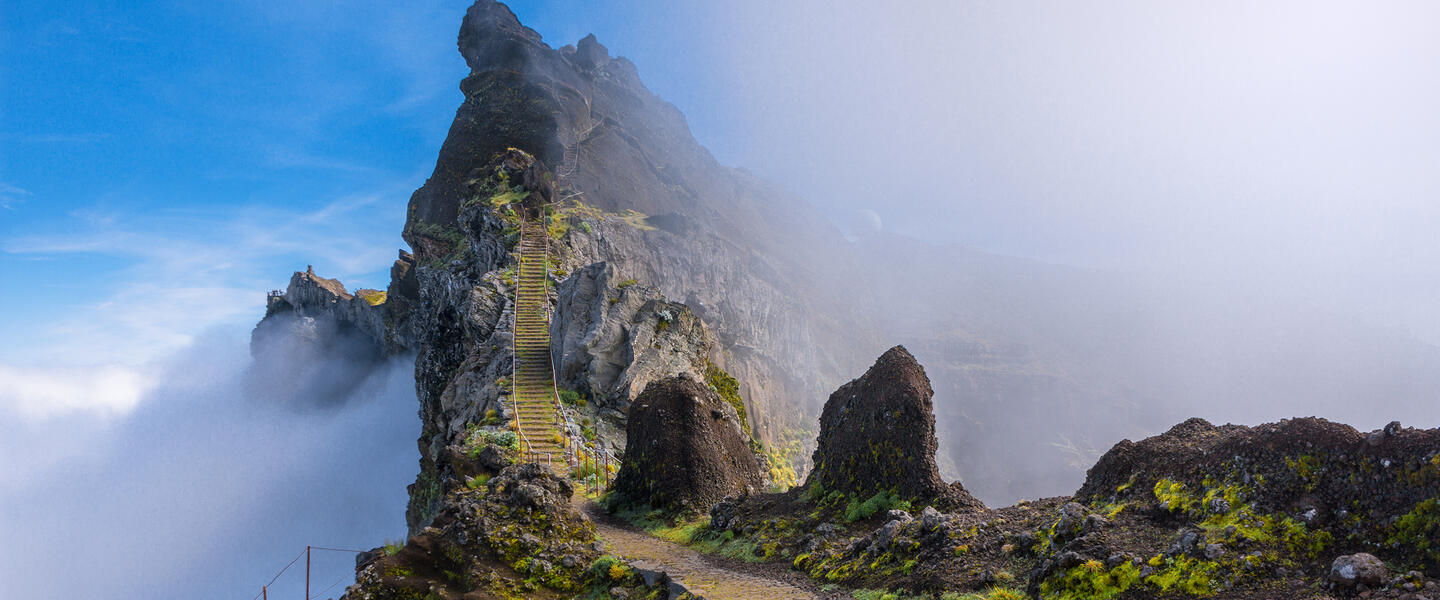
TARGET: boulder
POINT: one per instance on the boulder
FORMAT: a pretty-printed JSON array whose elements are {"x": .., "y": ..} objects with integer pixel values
[
  {"x": 877, "y": 433},
  {"x": 685, "y": 450},
  {"x": 1351, "y": 570}
]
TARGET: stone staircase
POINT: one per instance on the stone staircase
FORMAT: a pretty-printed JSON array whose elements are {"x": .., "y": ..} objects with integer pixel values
[{"x": 533, "y": 383}]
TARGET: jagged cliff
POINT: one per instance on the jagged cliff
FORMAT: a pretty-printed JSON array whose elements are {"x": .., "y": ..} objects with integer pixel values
[{"x": 642, "y": 219}]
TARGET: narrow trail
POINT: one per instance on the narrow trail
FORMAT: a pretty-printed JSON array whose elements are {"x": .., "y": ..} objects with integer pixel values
[{"x": 697, "y": 572}]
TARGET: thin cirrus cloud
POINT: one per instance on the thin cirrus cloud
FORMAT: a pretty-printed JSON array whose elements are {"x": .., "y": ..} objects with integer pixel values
[{"x": 10, "y": 196}]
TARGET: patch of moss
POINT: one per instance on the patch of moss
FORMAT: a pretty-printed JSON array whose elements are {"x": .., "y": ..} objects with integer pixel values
[
  {"x": 1184, "y": 574},
  {"x": 1091, "y": 581},
  {"x": 572, "y": 398},
  {"x": 507, "y": 197},
  {"x": 449, "y": 235},
  {"x": 1419, "y": 530},
  {"x": 729, "y": 388},
  {"x": 1173, "y": 496},
  {"x": 1309, "y": 468}
]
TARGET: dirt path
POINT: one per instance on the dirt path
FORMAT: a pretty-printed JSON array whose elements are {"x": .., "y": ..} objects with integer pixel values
[{"x": 701, "y": 574}]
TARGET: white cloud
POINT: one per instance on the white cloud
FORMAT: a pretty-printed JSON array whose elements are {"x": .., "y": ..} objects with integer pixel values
[{"x": 42, "y": 393}]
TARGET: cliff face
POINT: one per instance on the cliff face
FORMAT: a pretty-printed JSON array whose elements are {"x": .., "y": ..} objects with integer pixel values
[
  {"x": 613, "y": 337},
  {"x": 659, "y": 209}
]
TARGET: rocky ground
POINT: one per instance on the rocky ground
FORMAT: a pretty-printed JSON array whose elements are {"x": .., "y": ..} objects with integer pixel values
[
  {"x": 1303, "y": 508},
  {"x": 1297, "y": 509}
]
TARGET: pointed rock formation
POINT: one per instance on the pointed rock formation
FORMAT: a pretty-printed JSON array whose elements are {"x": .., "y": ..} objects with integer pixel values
[
  {"x": 878, "y": 433},
  {"x": 685, "y": 449}
]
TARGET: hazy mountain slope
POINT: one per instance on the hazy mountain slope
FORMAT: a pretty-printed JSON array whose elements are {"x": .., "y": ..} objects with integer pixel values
[{"x": 1036, "y": 367}]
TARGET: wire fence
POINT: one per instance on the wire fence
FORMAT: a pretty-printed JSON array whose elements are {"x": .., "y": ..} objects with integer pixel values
[{"x": 306, "y": 554}]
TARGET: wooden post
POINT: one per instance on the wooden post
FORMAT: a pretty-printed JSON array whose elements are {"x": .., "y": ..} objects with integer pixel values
[
  {"x": 264, "y": 595},
  {"x": 307, "y": 573}
]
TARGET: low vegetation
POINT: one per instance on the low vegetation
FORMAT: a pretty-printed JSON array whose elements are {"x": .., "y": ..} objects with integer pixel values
[
  {"x": 373, "y": 297},
  {"x": 728, "y": 387}
]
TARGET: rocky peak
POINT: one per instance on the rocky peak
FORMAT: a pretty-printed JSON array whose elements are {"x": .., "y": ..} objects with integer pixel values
[
  {"x": 589, "y": 54},
  {"x": 491, "y": 37},
  {"x": 309, "y": 289}
]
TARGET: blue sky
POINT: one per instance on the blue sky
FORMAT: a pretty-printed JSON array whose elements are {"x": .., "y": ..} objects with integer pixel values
[{"x": 162, "y": 164}]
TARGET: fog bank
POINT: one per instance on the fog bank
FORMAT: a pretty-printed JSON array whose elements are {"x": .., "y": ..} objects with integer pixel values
[{"x": 212, "y": 484}]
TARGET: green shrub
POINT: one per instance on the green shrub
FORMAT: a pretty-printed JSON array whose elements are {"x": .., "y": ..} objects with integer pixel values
[
  {"x": 479, "y": 438},
  {"x": 572, "y": 398},
  {"x": 882, "y": 501},
  {"x": 610, "y": 568},
  {"x": 624, "y": 284}
]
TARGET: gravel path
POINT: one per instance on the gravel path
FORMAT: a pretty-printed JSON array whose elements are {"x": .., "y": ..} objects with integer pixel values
[{"x": 703, "y": 575}]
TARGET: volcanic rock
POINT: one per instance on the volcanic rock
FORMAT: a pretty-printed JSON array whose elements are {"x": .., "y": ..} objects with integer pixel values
[
  {"x": 486, "y": 542},
  {"x": 877, "y": 433},
  {"x": 1325, "y": 475},
  {"x": 613, "y": 340},
  {"x": 685, "y": 450}
]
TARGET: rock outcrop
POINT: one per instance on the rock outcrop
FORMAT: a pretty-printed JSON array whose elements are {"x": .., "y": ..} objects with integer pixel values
[
  {"x": 311, "y": 296},
  {"x": 877, "y": 433},
  {"x": 685, "y": 449},
  {"x": 1382, "y": 487},
  {"x": 611, "y": 338},
  {"x": 318, "y": 341},
  {"x": 516, "y": 536}
]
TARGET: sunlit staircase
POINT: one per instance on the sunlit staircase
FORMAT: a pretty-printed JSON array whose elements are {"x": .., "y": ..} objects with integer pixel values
[{"x": 536, "y": 415}]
